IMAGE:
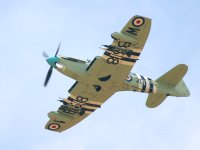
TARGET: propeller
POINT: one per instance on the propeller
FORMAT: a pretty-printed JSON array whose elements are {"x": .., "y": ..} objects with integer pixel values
[
  {"x": 45, "y": 55},
  {"x": 48, "y": 76}
]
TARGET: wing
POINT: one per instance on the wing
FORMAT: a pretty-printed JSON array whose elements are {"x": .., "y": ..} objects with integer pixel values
[
  {"x": 84, "y": 100},
  {"x": 128, "y": 44}
]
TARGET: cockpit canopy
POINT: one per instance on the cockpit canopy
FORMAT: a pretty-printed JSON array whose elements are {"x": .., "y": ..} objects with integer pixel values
[{"x": 73, "y": 59}]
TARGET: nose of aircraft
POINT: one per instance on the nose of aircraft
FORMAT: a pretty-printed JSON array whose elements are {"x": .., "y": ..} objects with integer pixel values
[{"x": 52, "y": 61}]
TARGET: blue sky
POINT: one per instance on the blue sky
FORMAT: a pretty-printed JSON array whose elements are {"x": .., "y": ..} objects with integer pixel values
[{"x": 124, "y": 122}]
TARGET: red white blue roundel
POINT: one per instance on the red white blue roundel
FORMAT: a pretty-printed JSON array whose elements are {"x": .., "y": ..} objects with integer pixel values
[
  {"x": 53, "y": 126},
  {"x": 128, "y": 78},
  {"x": 139, "y": 21}
]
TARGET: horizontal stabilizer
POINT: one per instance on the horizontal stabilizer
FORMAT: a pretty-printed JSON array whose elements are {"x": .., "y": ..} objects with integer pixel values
[
  {"x": 169, "y": 84},
  {"x": 174, "y": 76},
  {"x": 154, "y": 100}
]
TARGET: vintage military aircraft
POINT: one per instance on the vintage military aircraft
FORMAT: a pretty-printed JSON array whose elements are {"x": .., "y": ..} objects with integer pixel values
[{"x": 104, "y": 75}]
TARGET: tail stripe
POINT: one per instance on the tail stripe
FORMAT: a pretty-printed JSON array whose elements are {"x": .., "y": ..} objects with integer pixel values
[
  {"x": 144, "y": 84},
  {"x": 151, "y": 88}
]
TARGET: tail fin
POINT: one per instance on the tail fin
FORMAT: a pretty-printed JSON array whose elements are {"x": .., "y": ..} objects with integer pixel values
[{"x": 170, "y": 84}]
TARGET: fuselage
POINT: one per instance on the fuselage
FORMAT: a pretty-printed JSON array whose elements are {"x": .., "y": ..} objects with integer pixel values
[{"x": 77, "y": 70}]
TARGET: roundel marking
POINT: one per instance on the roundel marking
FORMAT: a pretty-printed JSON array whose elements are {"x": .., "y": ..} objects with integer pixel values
[
  {"x": 137, "y": 22},
  {"x": 53, "y": 126},
  {"x": 128, "y": 78}
]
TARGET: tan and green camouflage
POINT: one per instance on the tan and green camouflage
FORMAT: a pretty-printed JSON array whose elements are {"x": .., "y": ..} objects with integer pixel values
[{"x": 98, "y": 80}]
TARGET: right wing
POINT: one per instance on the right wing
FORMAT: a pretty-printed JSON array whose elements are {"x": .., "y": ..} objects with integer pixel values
[{"x": 84, "y": 100}]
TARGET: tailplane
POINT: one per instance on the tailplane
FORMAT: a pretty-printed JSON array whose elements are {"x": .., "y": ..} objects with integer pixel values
[{"x": 169, "y": 84}]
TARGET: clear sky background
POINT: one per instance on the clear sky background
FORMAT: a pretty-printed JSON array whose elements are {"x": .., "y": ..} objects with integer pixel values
[{"x": 124, "y": 122}]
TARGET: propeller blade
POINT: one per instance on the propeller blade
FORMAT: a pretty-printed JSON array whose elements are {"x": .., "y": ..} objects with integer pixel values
[
  {"x": 51, "y": 68},
  {"x": 48, "y": 76},
  {"x": 45, "y": 55},
  {"x": 57, "y": 49}
]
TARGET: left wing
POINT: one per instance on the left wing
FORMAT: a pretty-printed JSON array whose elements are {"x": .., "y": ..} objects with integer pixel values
[
  {"x": 84, "y": 100},
  {"x": 128, "y": 44}
]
